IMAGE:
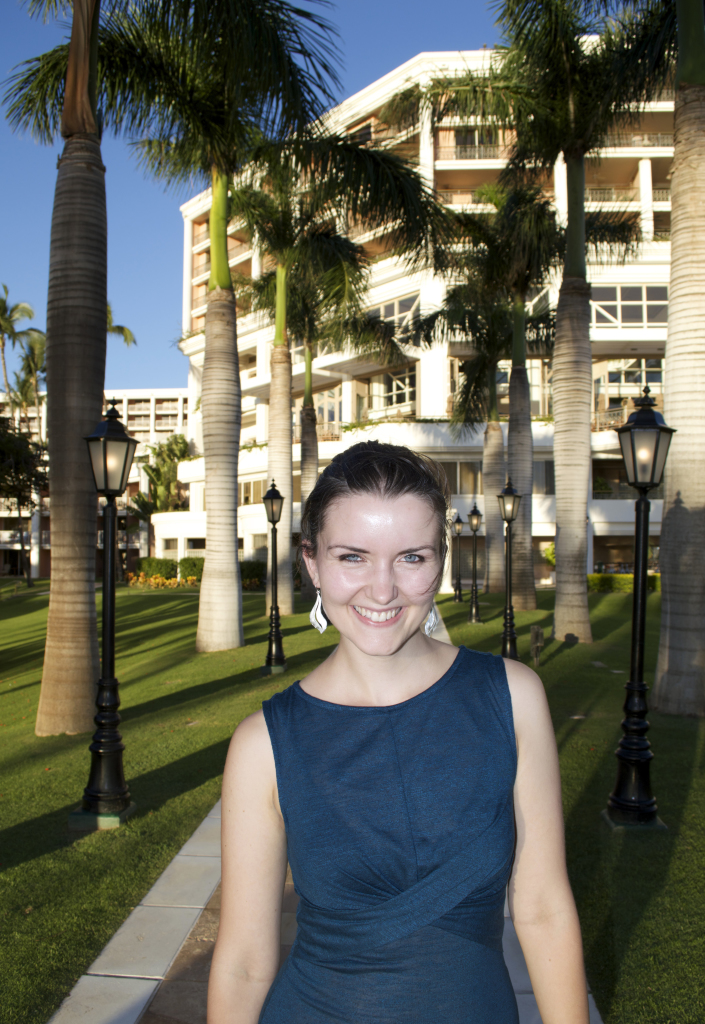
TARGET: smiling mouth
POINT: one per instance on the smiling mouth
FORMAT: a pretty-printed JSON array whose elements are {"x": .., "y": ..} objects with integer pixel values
[{"x": 366, "y": 613}]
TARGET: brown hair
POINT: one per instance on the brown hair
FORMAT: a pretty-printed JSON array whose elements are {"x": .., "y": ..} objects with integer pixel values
[{"x": 373, "y": 467}]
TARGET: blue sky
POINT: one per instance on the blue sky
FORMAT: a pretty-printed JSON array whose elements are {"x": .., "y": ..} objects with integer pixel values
[{"x": 145, "y": 231}]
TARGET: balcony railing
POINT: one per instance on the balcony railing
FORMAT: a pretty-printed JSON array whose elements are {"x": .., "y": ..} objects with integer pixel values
[
  {"x": 201, "y": 269},
  {"x": 640, "y": 140},
  {"x": 236, "y": 251},
  {"x": 662, "y": 195},
  {"x": 623, "y": 492},
  {"x": 609, "y": 419},
  {"x": 611, "y": 194},
  {"x": 458, "y": 197},
  {"x": 13, "y": 537},
  {"x": 488, "y": 152},
  {"x": 201, "y": 232},
  {"x": 324, "y": 432}
]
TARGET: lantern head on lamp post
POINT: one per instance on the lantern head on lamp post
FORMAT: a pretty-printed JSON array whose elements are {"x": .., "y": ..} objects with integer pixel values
[
  {"x": 509, "y": 500},
  {"x": 106, "y": 799},
  {"x": 458, "y": 525},
  {"x": 275, "y": 660},
  {"x": 475, "y": 519},
  {"x": 645, "y": 440}
]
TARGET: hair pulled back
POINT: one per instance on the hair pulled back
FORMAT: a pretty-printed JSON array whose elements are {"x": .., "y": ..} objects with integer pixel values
[{"x": 374, "y": 467}]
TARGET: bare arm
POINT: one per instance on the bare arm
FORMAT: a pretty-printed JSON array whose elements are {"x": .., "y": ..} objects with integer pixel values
[
  {"x": 246, "y": 956},
  {"x": 540, "y": 898}
]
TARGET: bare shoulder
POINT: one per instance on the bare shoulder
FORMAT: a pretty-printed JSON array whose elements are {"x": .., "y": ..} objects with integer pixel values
[
  {"x": 250, "y": 746},
  {"x": 529, "y": 704}
]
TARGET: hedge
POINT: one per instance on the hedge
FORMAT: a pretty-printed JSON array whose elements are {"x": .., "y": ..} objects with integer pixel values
[
  {"x": 191, "y": 566},
  {"x": 605, "y": 582},
  {"x": 165, "y": 567}
]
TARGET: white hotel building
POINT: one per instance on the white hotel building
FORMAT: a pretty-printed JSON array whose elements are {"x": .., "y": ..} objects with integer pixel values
[{"x": 357, "y": 399}]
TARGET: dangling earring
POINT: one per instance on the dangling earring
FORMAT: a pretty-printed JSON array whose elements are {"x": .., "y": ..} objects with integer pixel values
[
  {"x": 317, "y": 617},
  {"x": 431, "y": 621}
]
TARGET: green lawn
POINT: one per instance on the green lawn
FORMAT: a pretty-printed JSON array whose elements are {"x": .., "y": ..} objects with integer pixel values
[{"x": 63, "y": 896}]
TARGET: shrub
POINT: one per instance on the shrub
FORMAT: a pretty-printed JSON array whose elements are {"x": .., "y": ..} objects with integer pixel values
[
  {"x": 549, "y": 554},
  {"x": 165, "y": 567},
  {"x": 191, "y": 566},
  {"x": 253, "y": 574},
  {"x": 160, "y": 582},
  {"x": 617, "y": 582}
]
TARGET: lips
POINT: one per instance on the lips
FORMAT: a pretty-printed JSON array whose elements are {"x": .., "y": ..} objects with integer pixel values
[{"x": 373, "y": 616}]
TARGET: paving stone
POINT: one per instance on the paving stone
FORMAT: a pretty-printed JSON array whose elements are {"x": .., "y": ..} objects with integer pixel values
[
  {"x": 181, "y": 1001},
  {"x": 147, "y": 943},
  {"x": 528, "y": 1010},
  {"x": 514, "y": 959},
  {"x": 215, "y": 813},
  {"x": 99, "y": 1000},
  {"x": 205, "y": 841},
  {"x": 187, "y": 882}
]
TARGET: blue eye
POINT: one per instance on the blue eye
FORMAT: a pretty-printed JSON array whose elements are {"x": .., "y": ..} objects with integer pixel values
[
  {"x": 416, "y": 558},
  {"x": 349, "y": 558}
]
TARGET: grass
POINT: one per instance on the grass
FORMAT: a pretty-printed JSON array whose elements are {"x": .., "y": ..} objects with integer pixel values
[
  {"x": 62, "y": 896},
  {"x": 640, "y": 896}
]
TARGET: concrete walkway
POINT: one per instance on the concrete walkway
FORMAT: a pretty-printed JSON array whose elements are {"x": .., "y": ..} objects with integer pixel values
[{"x": 155, "y": 968}]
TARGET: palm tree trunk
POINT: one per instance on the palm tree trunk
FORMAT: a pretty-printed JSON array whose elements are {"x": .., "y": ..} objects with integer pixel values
[
  {"x": 75, "y": 374},
  {"x": 220, "y": 602},
  {"x": 279, "y": 450},
  {"x": 4, "y": 367},
  {"x": 493, "y": 480},
  {"x": 680, "y": 671},
  {"x": 520, "y": 465},
  {"x": 26, "y": 564},
  {"x": 572, "y": 398},
  {"x": 309, "y": 458}
]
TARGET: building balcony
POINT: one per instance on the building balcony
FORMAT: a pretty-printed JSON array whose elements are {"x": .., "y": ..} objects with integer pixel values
[
  {"x": 460, "y": 197},
  {"x": 611, "y": 194},
  {"x": 485, "y": 152},
  {"x": 639, "y": 140}
]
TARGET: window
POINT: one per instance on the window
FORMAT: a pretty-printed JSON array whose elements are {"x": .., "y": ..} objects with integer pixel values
[
  {"x": 629, "y": 305},
  {"x": 363, "y": 134},
  {"x": 636, "y": 372},
  {"x": 470, "y": 478},
  {"x": 259, "y": 545},
  {"x": 544, "y": 477},
  {"x": 403, "y": 313},
  {"x": 196, "y": 544},
  {"x": 171, "y": 544},
  {"x": 451, "y": 471},
  {"x": 390, "y": 390},
  {"x": 470, "y": 142},
  {"x": 249, "y": 492}
]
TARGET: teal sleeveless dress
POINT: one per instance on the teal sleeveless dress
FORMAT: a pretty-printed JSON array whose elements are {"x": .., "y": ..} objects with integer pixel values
[{"x": 400, "y": 832}]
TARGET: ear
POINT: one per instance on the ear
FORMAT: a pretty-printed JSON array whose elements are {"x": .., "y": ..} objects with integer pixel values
[{"x": 312, "y": 567}]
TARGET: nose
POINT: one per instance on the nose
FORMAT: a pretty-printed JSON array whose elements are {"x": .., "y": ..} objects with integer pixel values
[{"x": 382, "y": 589}]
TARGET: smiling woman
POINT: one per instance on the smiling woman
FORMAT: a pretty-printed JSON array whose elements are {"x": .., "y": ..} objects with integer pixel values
[{"x": 407, "y": 783}]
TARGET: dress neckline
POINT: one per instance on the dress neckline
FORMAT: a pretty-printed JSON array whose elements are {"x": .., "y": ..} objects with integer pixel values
[{"x": 383, "y": 708}]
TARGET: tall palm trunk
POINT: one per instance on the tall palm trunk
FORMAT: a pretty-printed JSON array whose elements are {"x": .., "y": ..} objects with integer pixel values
[
  {"x": 309, "y": 457},
  {"x": 75, "y": 374},
  {"x": 4, "y": 367},
  {"x": 220, "y": 603},
  {"x": 279, "y": 450},
  {"x": 520, "y": 465},
  {"x": 680, "y": 671},
  {"x": 493, "y": 480},
  {"x": 572, "y": 397}
]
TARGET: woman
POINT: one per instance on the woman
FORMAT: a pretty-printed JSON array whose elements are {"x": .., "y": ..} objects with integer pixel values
[{"x": 406, "y": 781}]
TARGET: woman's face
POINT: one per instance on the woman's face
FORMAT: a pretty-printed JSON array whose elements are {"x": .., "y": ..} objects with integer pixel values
[{"x": 377, "y": 565}]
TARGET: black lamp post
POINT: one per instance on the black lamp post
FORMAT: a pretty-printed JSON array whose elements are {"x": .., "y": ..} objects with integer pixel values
[
  {"x": 458, "y": 525},
  {"x": 475, "y": 518},
  {"x": 106, "y": 799},
  {"x": 645, "y": 440},
  {"x": 509, "y": 506},
  {"x": 275, "y": 660}
]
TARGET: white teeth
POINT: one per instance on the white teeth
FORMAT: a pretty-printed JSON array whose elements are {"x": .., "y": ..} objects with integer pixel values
[{"x": 376, "y": 616}]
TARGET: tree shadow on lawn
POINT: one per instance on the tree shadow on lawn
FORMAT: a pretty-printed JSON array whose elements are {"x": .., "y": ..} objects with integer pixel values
[
  {"x": 244, "y": 681},
  {"x": 49, "y": 832},
  {"x": 616, "y": 874}
]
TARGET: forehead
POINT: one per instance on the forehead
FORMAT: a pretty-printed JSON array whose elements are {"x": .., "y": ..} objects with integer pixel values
[{"x": 402, "y": 518}]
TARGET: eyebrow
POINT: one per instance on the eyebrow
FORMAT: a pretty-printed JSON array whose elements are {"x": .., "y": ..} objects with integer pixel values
[{"x": 364, "y": 551}]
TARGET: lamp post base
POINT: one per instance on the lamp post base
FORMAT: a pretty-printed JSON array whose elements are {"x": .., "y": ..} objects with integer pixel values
[
  {"x": 655, "y": 825},
  {"x": 90, "y": 821},
  {"x": 271, "y": 670}
]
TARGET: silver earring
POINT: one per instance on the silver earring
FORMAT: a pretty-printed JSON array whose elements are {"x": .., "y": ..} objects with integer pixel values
[
  {"x": 431, "y": 621},
  {"x": 317, "y": 617}
]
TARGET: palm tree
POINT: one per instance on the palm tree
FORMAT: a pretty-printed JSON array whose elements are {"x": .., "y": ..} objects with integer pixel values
[
  {"x": 680, "y": 671},
  {"x": 119, "y": 330},
  {"x": 563, "y": 82},
  {"x": 515, "y": 249},
  {"x": 179, "y": 73},
  {"x": 10, "y": 316},
  {"x": 34, "y": 370},
  {"x": 315, "y": 290}
]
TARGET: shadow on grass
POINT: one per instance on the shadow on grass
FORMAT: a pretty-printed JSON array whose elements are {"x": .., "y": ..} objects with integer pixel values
[
  {"x": 616, "y": 874},
  {"x": 49, "y": 832},
  {"x": 225, "y": 685}
]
